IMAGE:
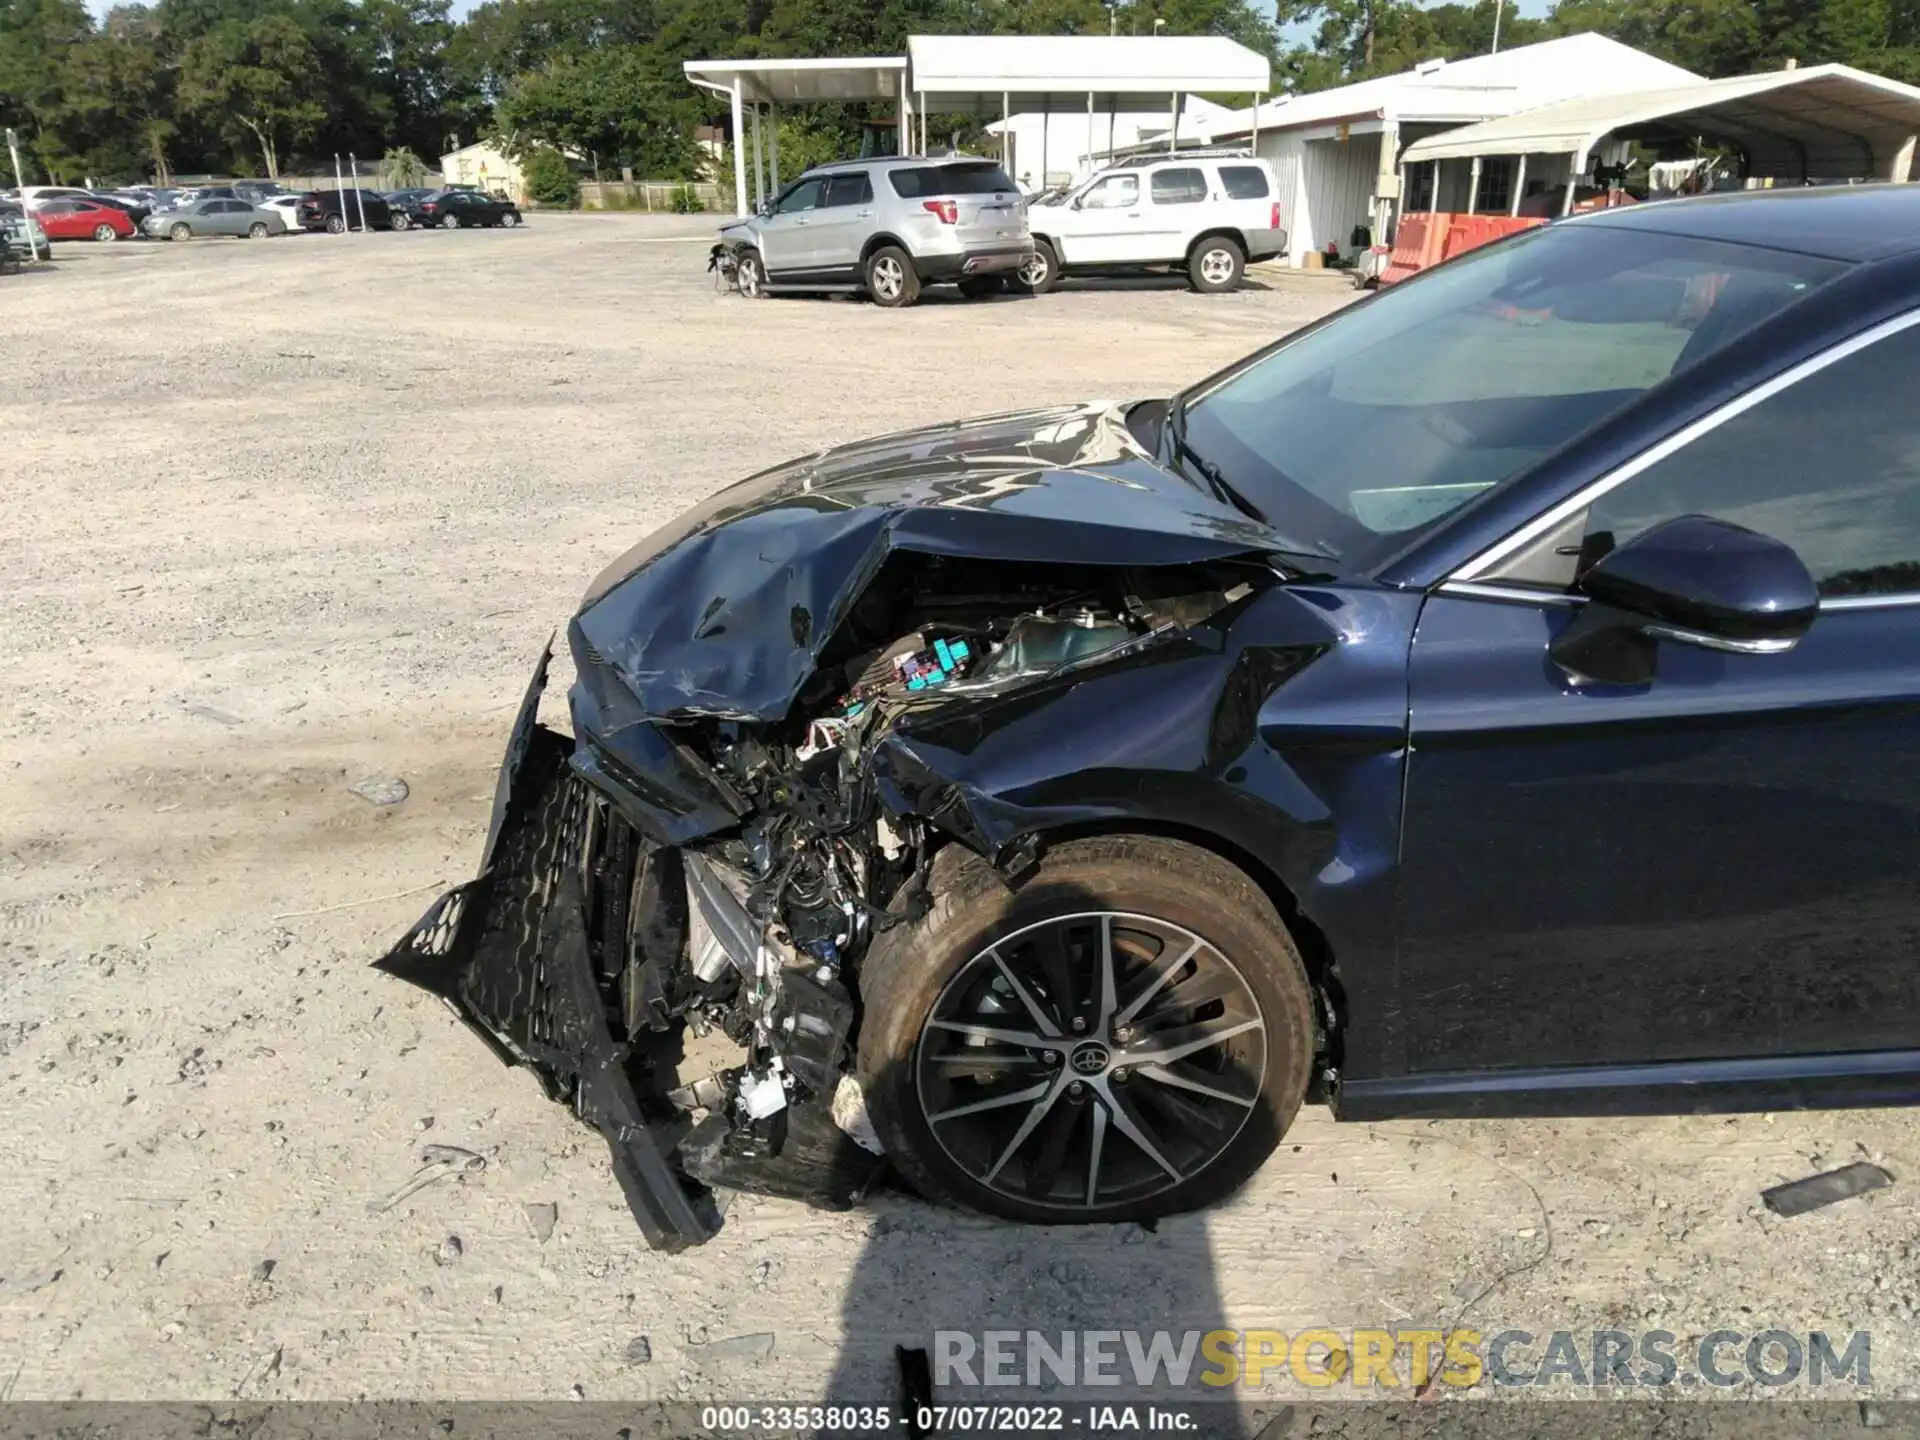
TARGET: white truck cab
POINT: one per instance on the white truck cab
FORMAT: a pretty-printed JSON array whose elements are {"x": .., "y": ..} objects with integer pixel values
[{"x": 1202, "y": 213}]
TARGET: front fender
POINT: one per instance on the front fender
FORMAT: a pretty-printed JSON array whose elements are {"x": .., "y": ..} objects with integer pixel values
[{"x": 1284, "y": 737}]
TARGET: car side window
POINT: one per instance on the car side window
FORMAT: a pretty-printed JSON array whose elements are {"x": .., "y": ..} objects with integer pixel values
[
  {"x": 1244, "y": 182},
  {"x": 1829, "y": 466},
  {"x": 1186, "y": 185},
  {"x": 854, "y": 189},
  {"x": 1116, "y": 192},
  {"x": 804, "y": 195}
]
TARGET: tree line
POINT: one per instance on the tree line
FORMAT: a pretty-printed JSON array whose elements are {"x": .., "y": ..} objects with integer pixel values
[{"x": 262, "y": 86}]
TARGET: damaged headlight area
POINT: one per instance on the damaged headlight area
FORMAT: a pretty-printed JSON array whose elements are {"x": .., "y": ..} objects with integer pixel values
[{"x": 674, "y": 906}]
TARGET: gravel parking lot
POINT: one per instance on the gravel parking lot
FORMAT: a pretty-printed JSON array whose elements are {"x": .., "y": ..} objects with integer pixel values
[{"x": 282, "y": 516}]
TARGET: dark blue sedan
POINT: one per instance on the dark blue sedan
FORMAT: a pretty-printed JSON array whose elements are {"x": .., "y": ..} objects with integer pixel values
[{"x": 1502, "y": 697}]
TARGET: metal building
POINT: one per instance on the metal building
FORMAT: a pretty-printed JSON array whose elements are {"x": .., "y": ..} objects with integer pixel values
[{"x": 1336, "y": 152}]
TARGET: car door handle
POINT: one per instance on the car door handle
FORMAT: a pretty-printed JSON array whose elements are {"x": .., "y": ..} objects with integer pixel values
[
  {"x": 863, "y": 214},
  {"x": 799, "y": 221}
]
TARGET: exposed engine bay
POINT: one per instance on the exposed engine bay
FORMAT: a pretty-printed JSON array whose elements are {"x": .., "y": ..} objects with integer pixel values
[{"x": 686, "y": 878}]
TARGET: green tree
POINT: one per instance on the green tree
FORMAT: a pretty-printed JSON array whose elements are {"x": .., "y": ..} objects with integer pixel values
[
  {"x": 609, "y": 105},
  {"x": 401, "y": 169},
  {"x": 550, "y": 178},
  {"x": 254, "y": 79},
  {"x": 38, "y": 42}
]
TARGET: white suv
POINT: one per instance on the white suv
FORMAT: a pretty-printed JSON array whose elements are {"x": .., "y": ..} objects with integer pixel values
[{"x": 1207, "y": 215}]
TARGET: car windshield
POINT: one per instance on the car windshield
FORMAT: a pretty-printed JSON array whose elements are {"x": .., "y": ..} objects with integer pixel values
[{"x": 1382, "y": 421}]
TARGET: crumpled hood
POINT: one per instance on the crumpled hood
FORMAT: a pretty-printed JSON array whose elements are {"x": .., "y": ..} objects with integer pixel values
[{"x": 723, "y": 612}]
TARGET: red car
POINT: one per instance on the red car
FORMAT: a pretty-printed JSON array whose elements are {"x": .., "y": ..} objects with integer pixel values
[{"x": 70, "y": 219}]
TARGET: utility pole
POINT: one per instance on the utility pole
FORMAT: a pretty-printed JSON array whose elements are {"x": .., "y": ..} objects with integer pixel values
[
  {"x": 1497, "y": 6},
  {"x": 26, "y": 210},
  {"x": 359, "y": 204}
]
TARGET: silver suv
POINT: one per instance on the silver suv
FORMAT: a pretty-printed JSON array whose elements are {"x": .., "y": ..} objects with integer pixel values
[{"x": 886, "y": 226}]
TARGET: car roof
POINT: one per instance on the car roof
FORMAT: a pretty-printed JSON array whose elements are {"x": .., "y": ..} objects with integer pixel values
[
  {"x": 1853, "y": 223},
  {"x": 899, "y": 162}
]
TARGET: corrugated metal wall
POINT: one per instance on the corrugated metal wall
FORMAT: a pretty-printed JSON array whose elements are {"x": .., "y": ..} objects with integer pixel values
[
  {"x": 1340, "y": 177},
  {"x": 1282, "y": 152}
]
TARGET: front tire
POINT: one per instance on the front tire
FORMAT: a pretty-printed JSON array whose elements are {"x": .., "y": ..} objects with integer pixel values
[
  {"x": 1018, "y": 1052},
  {"x": 1215, "y": 265},
  {"x": 510, "y": 219},
  {"x": 752, "y": 275},
  {"x": 891, "y": 279},
  {"x": 1041, "y": 272},
  {"x": 180, "y": 232}
]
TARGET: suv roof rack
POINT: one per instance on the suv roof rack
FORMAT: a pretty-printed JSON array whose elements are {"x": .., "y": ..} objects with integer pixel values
[{"x": 1201, "y": 152}]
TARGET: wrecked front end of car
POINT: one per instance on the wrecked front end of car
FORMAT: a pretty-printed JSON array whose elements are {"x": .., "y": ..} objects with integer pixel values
[{"x": 785, "y": 704}]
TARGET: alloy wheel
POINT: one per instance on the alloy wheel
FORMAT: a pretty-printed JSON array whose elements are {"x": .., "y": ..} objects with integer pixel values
[
  {"x": 105, "y": 233},
  {"x": 1216, "y": 267},
  {"x": 1091, "y": 1060},
  {"x": 750, "y": 276},
  {"x": 887, "y": 278},
  {"x": 181, "y": 232},
  {"x": 1033, "y": 271}
]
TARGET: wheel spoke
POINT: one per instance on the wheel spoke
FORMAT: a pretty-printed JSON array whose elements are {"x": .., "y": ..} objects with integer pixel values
[
  {"x": 1050, "y": 949},
  {"x": 996, "y": 1102},
  {"x": 1130, "y": 1127},
  {"x": 969, "y": 1058},
  {"x": 1039, "y": 1016},
  {"x": 1170, "y": 1077},
  {"x": 1107, "y": 1001},
  {"x": 1027, "y": 1127},
  {"x": 1024, "y": 1039},
  {"x": 1055, "y": 1136},
  {"x": 1169, "y": 964},
  {"x": 1166, "y": 1046},
  {"x": 1093, "y": 1155},
  {"x": 1197, "y": 990}
]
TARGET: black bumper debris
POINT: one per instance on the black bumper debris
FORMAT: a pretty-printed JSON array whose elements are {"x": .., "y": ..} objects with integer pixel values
[{"x": 508, "y": 951}]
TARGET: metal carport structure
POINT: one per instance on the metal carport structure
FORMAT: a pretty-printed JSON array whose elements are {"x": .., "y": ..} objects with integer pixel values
[
  {"x": 977, "y": 75},
  {"x": 1826, "y": 122}
]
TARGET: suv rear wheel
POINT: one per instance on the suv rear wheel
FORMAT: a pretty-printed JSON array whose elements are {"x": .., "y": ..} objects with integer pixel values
[
  {"x": 1215, "y": 265},
  {"x": 336, "y": 225},
  {"x": 1126, "y": 1035},
  {"x": 1041, "y": 272},
  {"x": 891, "y": 278}
]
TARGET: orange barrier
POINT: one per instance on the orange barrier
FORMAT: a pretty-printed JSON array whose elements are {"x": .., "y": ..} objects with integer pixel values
[
  {"x": 1425, "y": 238},
  {"x": 1418, "y": 241}
]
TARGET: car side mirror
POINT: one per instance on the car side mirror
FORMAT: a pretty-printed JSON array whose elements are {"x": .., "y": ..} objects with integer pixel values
[
  {"x": 1693, "y": 580},
  {"x": 763, "y": 209}
]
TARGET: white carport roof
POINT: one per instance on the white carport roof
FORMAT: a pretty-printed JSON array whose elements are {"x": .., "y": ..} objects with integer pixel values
[
  {"x": 1826, "y": 121},
  {"x": 967, "y": 71},
  {"x": 804, "y": 82}
]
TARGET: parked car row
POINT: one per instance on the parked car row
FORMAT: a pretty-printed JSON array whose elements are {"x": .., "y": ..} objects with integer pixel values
[
  {"x": 39, "y": 214},
  {"x": 887, "y": 227}
]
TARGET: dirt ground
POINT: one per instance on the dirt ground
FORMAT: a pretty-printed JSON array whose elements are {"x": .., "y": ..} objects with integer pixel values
[{"x": 283, "y": 516}]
